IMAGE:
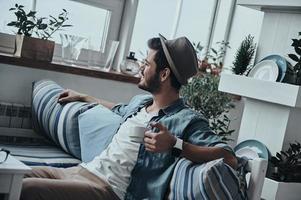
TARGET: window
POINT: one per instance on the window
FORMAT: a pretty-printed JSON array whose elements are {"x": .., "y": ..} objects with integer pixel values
[
  {"x": 88, "y": 21},
  {"x": 7, "y": 16},
  {"x": 97, "y": 20},
  {"x": 190, "y": 18}
]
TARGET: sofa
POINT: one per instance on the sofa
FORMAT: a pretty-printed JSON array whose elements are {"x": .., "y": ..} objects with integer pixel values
[{"x": 66, "y": 135}]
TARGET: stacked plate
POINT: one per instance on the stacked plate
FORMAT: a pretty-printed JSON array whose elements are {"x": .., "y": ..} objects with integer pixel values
[
  {"x": 252, "y": 149},
  {"x": 273, "y": 68}
]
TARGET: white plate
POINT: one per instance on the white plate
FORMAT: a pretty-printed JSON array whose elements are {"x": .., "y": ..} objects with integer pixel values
[
  {"x": 265, "y": 70},
  {"x": 247, "y": 152}
]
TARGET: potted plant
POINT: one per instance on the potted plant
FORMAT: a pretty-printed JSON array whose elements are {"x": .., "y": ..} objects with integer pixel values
[
  {"x": 28, "y": 24},
  {"x": 202, "y": 94},
  {"x": 297, "y": 58},
  {"x": 284, "y": 177},
  {"x": 244, "y": 56}
]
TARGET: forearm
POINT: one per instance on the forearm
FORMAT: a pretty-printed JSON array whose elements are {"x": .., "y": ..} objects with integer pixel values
[
  {"x": 205, "y": 154},
  {"x": 90, "y": 99}
]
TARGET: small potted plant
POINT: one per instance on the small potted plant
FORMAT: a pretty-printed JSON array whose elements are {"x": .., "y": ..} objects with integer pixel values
[
  {"x": 284, "y": 177},
  {"x": 244, "y": 56},
  {"x": 40, "y": 48},
  {"x": 297, "y": 58}
]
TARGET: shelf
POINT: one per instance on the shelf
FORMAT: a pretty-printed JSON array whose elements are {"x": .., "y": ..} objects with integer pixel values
[
  {"x": 60, "y": 67},
  {"x": 274, "y": 92},
  {"x": 285, "y": 5}
]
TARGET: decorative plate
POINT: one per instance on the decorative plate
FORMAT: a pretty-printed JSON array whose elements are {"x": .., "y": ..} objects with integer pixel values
[
  {"x": 281, "y": 63},
  {"x": 254, "y": 145},
  {"x": 265, "y": 70}
]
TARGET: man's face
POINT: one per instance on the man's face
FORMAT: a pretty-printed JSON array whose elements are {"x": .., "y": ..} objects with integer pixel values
[{"x": 150, "y": 79}]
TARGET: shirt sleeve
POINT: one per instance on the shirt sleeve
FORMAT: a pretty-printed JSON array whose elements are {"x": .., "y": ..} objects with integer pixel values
[
  {"x": 120, "y": 109},
  {"x": 199, "y": 133}
]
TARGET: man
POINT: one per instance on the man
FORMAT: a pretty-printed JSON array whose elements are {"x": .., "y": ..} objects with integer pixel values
[{"x": 128, "y": 170}]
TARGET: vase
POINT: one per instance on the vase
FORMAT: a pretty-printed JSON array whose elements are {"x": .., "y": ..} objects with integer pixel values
[
  {"x": 33, "y": 48},
  {"x": 71, "y": 47}
]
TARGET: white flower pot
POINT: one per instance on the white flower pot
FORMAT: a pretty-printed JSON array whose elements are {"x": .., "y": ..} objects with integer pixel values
[{"x": 274, "y": 190}]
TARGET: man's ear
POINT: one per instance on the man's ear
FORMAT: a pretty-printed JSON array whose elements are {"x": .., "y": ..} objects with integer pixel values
[{"x": 165, "y": 73}]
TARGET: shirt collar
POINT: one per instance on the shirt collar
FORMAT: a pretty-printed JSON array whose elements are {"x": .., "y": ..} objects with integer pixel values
[{"x": 171, "y": 109}]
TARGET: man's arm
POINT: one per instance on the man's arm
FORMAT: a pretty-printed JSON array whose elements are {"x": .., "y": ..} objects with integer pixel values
[
  {"x": 164, "y": 141},
  {"x": 71, "y": 95},
  {"x": 205, "y": 154}
]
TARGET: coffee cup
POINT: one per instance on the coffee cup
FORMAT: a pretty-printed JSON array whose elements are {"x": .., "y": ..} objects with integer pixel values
[{"x": 137, "y": 133}]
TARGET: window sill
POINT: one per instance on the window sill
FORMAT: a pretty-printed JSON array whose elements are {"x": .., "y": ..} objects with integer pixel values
[{"x": 61, "y": 67}]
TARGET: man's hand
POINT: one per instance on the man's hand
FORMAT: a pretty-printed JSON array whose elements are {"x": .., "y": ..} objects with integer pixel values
[
  {"x": 69, "y": 96},
  {"x": 159, "y": 142}
]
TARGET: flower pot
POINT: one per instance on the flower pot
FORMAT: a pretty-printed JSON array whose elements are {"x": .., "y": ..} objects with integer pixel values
[
  {"x": 281, "y": 190},
  {"x": 34, "y": 48}
]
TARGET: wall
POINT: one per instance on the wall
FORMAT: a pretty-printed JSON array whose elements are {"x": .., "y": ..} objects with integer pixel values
[
  {"x": 15, "y": 84},
  {"x": 246, "y": 21},
  {"x": 278, "y": 30}
]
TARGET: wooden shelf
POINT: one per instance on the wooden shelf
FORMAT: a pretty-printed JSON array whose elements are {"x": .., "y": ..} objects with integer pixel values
[{"x": 61, "y": 67}]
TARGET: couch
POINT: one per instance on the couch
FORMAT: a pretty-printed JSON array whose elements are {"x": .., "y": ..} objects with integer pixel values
[{"x": 66, "y": 135}]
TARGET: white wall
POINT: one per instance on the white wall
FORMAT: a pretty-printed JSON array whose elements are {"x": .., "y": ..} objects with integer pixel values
[
  {"x": 278, "y": 30},
  {"x": 15, "y": 84},
  {"x": 246, "y": 21}
]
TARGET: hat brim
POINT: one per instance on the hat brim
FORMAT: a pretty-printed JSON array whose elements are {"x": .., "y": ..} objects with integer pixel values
[{"x": 170, "y": 61}]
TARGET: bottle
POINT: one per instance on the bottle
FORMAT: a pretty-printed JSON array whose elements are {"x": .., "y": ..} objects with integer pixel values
[{"x": 130, "y": 65}]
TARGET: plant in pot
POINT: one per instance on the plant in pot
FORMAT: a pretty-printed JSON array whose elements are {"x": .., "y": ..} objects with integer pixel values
[
  {"x": 202, "y": 94},
  {"x": 297, "y": 58},
  {"x": 286, "y": 165},
  {"x": 244, "y": 56},
  {"x": 28, "y": 24},
  {"x": 284, "y": 174}
]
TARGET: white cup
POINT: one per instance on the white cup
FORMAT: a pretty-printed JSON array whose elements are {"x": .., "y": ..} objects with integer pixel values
[{"x": 137, "y": 133}]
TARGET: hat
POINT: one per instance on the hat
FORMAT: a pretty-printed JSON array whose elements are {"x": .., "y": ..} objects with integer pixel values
[{"x": 181, "y": 57}]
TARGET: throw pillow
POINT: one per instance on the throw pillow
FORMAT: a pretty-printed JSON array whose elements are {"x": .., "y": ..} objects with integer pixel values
[
  {"x": 97, "y": 127},
  {"x": 57, "y": 121},
  {"x": 212, "y": 180}
]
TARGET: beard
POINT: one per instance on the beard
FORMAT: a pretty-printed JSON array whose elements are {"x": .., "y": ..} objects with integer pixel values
[{"x": 151, "y": 85}]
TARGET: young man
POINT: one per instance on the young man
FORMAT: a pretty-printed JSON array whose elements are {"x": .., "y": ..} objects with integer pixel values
[{"x": 128, "y": 170}]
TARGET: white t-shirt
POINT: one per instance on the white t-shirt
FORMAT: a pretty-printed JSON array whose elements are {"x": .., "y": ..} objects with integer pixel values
[{"x": 117, "y": 161}]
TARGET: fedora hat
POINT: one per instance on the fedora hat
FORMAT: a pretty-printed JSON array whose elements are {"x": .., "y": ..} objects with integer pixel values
[{"x": 181, "y": 57}]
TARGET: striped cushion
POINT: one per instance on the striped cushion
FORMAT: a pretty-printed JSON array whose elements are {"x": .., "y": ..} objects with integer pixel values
[
  {"x": 41, "y": 154},
  {"x": 58, "y": 122},
  {"x": 212, "y": 180}
]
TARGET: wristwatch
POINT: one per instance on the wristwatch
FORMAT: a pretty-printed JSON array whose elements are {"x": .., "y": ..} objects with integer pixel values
[{"x": 177, "y": 148}]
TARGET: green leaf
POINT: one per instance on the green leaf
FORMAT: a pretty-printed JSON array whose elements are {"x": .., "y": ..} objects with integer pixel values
[
  {"x": 53, "y": 18},
  {"x": 67, "y": 25},
  {"x": 14, "y": 23},
  {"x": 295, "y": 43},
  {"x": 42, "y": 26},
  {"x": 293, "y": 57},
  {"x": 298, "y": 50},
  {"x": 214, "y": 51},
  {"x": 64, "y": 10},
  {"x": 12, "y": 9},
  {"x": 31, "y": 14}
]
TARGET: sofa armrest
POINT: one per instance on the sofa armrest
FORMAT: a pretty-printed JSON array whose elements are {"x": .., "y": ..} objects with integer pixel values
[{"x": 18, "y": 132}]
